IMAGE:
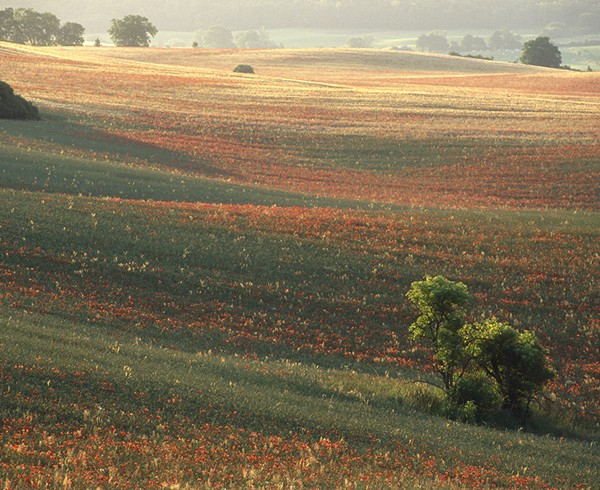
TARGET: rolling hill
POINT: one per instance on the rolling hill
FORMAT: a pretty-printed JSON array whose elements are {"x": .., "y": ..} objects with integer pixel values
[{"x": 203, "y": 274}]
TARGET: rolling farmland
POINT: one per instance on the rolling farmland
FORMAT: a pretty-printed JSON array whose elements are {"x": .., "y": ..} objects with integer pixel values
[{"x": 203, "y": 274}]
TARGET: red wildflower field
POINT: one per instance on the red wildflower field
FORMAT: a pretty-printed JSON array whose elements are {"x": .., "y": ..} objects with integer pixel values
[
  {"x": 156, "y": 344},
  {"x": 517, "y": 140}
]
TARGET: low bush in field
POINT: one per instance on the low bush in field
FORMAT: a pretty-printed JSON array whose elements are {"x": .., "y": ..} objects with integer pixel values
[
  {"x": 14, "y": 106},
  {"x": 243, "y": 69}
]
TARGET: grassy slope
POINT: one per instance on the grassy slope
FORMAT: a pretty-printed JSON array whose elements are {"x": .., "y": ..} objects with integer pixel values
[{"x": 167, "y": 388}]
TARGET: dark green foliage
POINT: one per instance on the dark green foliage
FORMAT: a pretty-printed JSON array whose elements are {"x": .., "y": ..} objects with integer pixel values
[
  {"x": 132, "y": 30},
  {"x": 476, "y": 360},
  {"x": 243, "y": 69},
  {"x": 27, "y": 26},
  {"x": 14, "y": 106},
  {"x": 541, "y": 52},
  {"x": 7, "y": 24},
  {"x": 474, "y": 390},
  {"x": 71, "y": 34},
  {"x": 514, "y": 360}
]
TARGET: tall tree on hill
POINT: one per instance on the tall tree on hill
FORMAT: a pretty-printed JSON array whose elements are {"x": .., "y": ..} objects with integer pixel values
[
  {"x": 541, "y": 52},
  {"x": 132, "y": 30},
  {"x": 71, "y": 34},
  {"x": 26, "y": 26}
]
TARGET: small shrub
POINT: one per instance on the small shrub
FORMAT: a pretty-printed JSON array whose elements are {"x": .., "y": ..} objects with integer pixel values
[
  {"x": 243, "y": 69},
  {"x": 14, "y": 106}
]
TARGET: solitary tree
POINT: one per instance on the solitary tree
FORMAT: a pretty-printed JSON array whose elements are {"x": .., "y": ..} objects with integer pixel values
[
  {"x": 132, "y": 30},
  {"x": 541, "y": 52},
  {"x": 440, "y": 303},
  {"x": 71, "y": 34}
]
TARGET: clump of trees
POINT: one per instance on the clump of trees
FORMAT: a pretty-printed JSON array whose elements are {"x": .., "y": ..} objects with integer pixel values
[
  {"x": 14, "y": 106},
  {"x": 132, "y": 30},
  {"x": 222, "y": 37},
  {"x": 437, "y": 42},
  {"x": 27, "y": 26},
  {"x": 434, "y": 42},
  {"x": 484, "y": 366}
]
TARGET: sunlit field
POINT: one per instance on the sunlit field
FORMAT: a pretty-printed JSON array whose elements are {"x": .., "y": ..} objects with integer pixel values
[{"x": 203, "y": 273}]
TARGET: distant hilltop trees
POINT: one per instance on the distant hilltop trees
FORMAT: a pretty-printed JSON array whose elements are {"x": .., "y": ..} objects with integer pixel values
[
  {"x": 132, "y": 30},
  {"x": 581, "y": 17},
  {"x": 27, "y": 26}
]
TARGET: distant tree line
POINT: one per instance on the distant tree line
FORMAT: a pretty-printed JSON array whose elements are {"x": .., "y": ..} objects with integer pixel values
[
  {"x": 437, "y": 42},
  {"x": 580, "y": 16},
  {"x": 539, "y": 51},
  {"x": 27, "y": 26},
  {"x": 222, "y": 37}
]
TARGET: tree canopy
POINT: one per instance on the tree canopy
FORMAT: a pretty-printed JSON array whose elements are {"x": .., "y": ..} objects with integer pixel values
[
  {"x": 132, "y": 30},
  {"x": 464, "y": 354},
  {"x": 514, "y": 360},
  {"x": 440, "y": 303},
  {"x": 71, "y": 34},
  {"x": 541, "y": 52},
  {"x": 27, "y": 26}
]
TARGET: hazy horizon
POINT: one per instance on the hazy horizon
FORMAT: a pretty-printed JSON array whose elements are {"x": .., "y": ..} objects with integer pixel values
[{"x": 179, "y": 15}]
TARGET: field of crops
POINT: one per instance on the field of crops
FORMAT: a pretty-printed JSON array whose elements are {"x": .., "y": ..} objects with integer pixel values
[{"x": 203, "y": 274}]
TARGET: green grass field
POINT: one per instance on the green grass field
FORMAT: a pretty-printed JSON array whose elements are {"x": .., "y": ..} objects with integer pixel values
[{"x": 190, "y": 298}]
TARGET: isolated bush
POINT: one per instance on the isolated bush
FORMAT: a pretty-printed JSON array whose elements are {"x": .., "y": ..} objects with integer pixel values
[
  {"x": 243, "y": 69},
  {"x": 14, "y": 106},
  {"x": 485, "y": 365},
  {"x": 514, "y": 360}
]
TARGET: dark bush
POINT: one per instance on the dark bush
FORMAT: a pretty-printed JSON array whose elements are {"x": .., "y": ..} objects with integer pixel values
[
  {"x": 475, "y": 392},
  {"x": 243, "y": 69},
  {"x": 14, "y": 106}
]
